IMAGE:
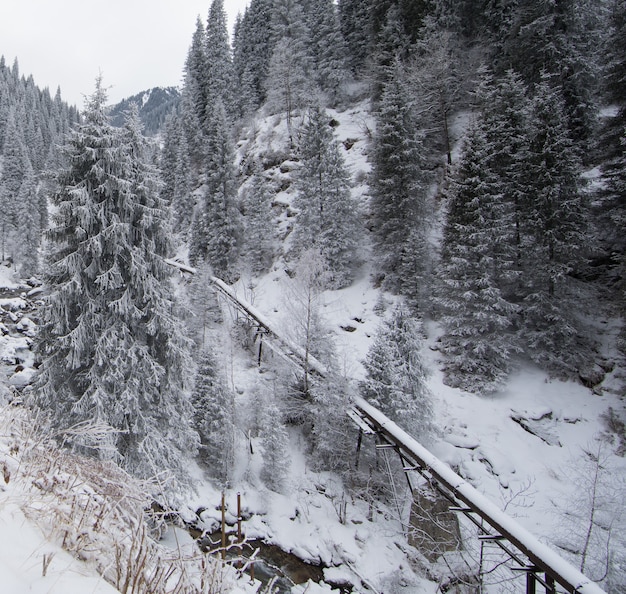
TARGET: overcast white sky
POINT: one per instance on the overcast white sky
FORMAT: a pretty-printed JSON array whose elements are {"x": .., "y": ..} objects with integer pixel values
[{"x": 135, "y": 44}]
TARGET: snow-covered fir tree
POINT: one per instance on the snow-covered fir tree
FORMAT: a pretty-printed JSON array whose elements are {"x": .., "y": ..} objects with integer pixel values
[
  {"x": 333, "y": 435},
  {"x": 275, "y": 442},
  {"x": 112, "y": 353},
  {"x": 203, "y": 306},
  {"x": 15, "y": 162},
  {"x": 29, "y": 225},
  {"x": 220, "y": 73},
  {"x": 395, "y": 379},
  {"x": 328, "y": 217},
  {"x": 288, "y": 82},
  {"x": 556, "y": 221},
  {"x": 399, "y": 194},
  {"x": 252, "y": 49},
  {"x": 475, "y": 316},
  {"x": 214, "y": 409},
  {"x": 328, "y": 47},
  {"x": 216, "y": 224},
  {"x": 259, "y": 230}
]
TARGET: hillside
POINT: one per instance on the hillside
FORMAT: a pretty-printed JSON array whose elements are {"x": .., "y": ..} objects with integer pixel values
[{"x": 524, "y": 446}]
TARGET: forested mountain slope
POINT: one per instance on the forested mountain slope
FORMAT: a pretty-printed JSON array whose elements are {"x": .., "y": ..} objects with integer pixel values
[{"x": 426, "y": 197}]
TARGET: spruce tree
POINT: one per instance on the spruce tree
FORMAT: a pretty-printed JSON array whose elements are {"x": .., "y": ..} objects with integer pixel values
[
  {"x": 15, "y": 162},
  {"x": 395, "y": 379},
  {"x": 288, "y": 82},
  {"x": 259, "y": 236},
  {"x": 477, "y": 320},
  {"x": 328, "y": 47},
  {"x": 357, "y": 30},
  {"x": 29, "y": 225},
  {"x": 275, "y": 442},
  {"x": 220, "y": 74},
  {"x": 253, "y": 46},
  {"x": 399, "y": 196},
  {"x": 216, "y": 227},
  {"x": 556, "y": 223},
  {"x": 328, "y": 216},
  {"x": 214, "y": 410},
  {"x": 112, "y": 352}
]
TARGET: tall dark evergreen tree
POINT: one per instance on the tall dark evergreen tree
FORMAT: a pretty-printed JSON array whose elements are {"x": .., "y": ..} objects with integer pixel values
[
  {"x": 15, "y": 162},
  {"x": 399, "y": 203},
  {"x": 288, "y": 81},
  {"x": 356, "y": 26},
  {"x": 220, "y": 74},
  {"x": 259, "y": 236},
  {"x": 328, "y": 48},
  {"x": 477, "y": 319},
  {"x": 555, "y": 239},
  {"x": 557, "y": 37},
  {"x": 215, "y": 230},
  {"x": 112, "y": 351},
  {"x": 214, "y": 410},
  {"x": 253, "y": 47}
]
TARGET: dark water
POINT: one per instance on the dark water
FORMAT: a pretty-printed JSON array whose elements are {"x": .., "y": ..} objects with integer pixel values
[{"x": 271, "y": 563}]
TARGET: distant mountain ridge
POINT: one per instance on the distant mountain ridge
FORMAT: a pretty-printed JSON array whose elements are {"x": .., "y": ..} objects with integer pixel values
[{"x": 154, "y": 106}]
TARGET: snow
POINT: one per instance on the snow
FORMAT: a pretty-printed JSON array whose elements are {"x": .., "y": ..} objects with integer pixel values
[{"x": 23, "y": 551}]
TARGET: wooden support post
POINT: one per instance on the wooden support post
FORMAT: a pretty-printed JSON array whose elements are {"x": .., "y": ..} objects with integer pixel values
[
  {"x": 550, "y": 588},
  {"x": 223, "y": 526},
  {"x": 531, "y": 583},
  {"x": 260, "y": 349},
  {"x": 358, "y": 448},
  {"x": 239, "y": 539}
]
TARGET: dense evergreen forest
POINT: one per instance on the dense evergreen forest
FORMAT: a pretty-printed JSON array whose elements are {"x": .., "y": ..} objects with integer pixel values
[{"x": 494, "y": 210}]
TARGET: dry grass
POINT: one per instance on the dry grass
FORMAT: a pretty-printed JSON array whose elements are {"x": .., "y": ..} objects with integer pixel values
[{"x": 99, "y": 514}]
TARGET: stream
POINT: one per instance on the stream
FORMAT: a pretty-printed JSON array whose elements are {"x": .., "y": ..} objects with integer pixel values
[{"x": 271, "y": 564}]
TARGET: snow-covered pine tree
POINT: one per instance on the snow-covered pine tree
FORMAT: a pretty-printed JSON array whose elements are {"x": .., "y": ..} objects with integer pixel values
[
  {"x": 216, "y": 226},
  {"x": 556, "y": 37},
  {"x": 356, "y": 27},
  {"x": 328, "y": 217},
  {"x": 506, "y": 122},
  {"x": 303, "y": 303},
  {"x": 182, "y": 200},
  {"x": 111, "y": 351},
  {"x": 395, "y": 379},
  {"x": 391, "y": 47},
  {"x": 288, "y": 82},
  {"x": 203, "y": 305},
  {"x": 214, "y": 410},
  {"x": 259, "y": 237},
  {"x": 556, "y": 235},
  {"x": 333, "y": 435},
  {"x": 253, "y": 45},
  {"x": 275, "y": 442},
  {"x": 328, "y": 47},
  {"x": 193, "y": 103},
  {"x": 399, "y": 194},
  {"x": 220, "y": 73},
  {"x": 13, "y": 167},
  {"x": 434, "y": 74},
  {"x": 611, "y": 213},
  {"x": 476, "y": 318},
  {"x": 29, "y": 225}
]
